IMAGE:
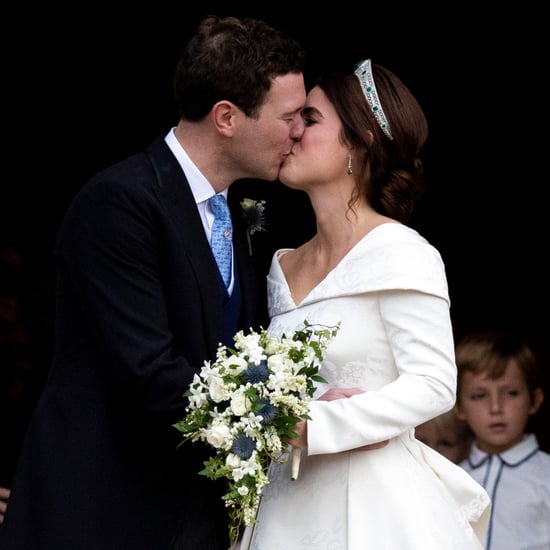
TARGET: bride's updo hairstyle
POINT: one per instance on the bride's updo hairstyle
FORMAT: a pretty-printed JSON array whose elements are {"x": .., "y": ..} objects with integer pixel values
[{"x": 386, "y": 128}]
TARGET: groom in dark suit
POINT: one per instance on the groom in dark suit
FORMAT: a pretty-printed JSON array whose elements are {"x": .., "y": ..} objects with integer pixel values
[{"x": 141, "y": 305}]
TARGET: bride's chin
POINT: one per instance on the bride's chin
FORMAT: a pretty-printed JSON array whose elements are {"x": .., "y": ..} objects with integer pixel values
[
  {"x": 290, "y": 183},
  {"x": 285, "y": 175}
]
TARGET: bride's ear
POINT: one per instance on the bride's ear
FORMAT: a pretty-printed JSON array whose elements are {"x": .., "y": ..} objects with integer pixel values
[{"x": 369, "y": 138}]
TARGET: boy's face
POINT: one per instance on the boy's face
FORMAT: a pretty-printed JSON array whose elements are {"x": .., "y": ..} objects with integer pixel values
[
  {"x": 496, "y": 410},
  {"x": 443, "y": 439}
]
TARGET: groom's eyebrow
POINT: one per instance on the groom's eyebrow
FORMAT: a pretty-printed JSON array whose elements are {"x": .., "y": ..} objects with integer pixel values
[{"x": 290, "y": 114}]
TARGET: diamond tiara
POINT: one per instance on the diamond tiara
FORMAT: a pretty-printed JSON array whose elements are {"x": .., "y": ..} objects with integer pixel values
[{"x": 364, "y": 73}]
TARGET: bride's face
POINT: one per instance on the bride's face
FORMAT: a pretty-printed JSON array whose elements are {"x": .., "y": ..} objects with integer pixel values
[{"x": 319, "y": 156}]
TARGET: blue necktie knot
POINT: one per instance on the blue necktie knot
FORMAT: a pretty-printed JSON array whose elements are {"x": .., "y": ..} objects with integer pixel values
[{"x": 220, "y": 240}]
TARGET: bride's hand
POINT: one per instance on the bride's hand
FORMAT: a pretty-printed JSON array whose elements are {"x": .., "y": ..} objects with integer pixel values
[
  {"x": 301, "y": 429},
  {"x": 330, "y": 395},
  {"x": 339, "y": 393}
]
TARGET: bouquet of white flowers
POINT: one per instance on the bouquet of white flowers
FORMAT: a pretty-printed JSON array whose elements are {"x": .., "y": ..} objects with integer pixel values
[{"x": 247, "y": 403}]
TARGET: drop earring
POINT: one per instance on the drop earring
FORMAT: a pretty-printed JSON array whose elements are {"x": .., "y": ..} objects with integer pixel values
[{"x": 350, "y": 171}]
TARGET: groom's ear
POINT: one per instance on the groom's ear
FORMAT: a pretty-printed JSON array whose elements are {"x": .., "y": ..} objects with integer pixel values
[{"x": 225, "y": 116}]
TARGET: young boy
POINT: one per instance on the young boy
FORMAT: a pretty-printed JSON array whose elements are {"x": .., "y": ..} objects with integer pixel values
[
  {"x": 499, "y": 389},
  {"x": 446, "y": 434}
]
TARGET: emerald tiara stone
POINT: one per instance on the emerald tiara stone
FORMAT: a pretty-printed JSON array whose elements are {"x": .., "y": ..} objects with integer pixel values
[{"x": 364, "y": 73}]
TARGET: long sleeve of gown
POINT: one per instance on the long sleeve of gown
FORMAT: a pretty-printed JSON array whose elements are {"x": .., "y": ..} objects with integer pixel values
[{"x": 419, "y": 331}]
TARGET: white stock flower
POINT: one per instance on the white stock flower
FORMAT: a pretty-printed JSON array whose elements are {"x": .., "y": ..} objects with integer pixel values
[
  {"x": 276, "y": 362},
  {"x": 272, "y": 346},
  {"x": 198, "y": 393},
  {"x": 251, "y": 347},
  {"x": 284, "y": 380},
  {"x": 241, "y": 467},
  {"x": 249, "y": 466},
  {"x": 251, "y": 423}
]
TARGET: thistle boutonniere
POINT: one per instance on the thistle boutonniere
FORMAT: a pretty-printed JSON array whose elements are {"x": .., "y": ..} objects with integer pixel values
[{"x": 254, "y": 216}]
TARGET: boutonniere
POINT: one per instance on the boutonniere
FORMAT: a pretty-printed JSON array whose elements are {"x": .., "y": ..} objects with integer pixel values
[{"x": 254, "y": 217}]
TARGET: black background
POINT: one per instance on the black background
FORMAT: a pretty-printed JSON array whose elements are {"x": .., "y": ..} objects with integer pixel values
[{"x": 87, "y": 86}]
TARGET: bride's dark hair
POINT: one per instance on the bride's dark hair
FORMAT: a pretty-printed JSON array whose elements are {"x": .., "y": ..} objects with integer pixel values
[{"x": 390, "y": 172}]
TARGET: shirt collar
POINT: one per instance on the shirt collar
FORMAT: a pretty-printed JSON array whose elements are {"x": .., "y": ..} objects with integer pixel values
[
  {"x": 512, "y": 457},
  {"x": 200, "y": 186}
]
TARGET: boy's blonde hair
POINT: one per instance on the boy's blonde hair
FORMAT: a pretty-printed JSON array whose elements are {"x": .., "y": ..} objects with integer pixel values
[{"x": 489, "y": 352}]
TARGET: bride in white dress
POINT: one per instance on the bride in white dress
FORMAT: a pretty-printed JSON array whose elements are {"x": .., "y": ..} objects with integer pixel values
[{"x": 387, "y": 287}]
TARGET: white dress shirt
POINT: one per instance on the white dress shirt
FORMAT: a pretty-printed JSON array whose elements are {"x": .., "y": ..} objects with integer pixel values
[
  {"x": 200, "y": 187},
  {"x": 518, "y": 482}
]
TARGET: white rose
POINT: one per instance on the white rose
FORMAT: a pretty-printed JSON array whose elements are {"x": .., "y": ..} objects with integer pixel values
[
  {"x": 239, "y": 403},
  {"x": 242, "y": 490},
  {"x": 217, "y": 389},
  {"x": 235, "y": 364},
  {"x": 232, "y": 461},
  {"x": 219, "y": 436}
]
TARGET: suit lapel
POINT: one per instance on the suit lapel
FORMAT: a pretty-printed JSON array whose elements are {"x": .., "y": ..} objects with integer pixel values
[
  {"x": 176, "y": 197},
  {"x": 178, "y": 201},
  {"x": 246, "y": 267}
]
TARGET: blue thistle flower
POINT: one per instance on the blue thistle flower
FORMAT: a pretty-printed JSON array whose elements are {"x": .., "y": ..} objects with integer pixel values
[
  {"x": 243, "y": 446},
  {"x": 256, "y": 374},
  {"x": 254, "y": 216},
  {"x": 266, "y": 410}
]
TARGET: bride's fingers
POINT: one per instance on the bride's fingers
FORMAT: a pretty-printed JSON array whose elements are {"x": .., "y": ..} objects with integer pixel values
[{"x": 339, "y": 393}]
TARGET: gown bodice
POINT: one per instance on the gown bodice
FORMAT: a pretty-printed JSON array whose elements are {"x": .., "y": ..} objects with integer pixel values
[{"x": 390, "y": 296}]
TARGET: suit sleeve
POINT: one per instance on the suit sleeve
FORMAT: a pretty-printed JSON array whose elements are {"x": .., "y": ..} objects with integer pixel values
[{"x": 111, "y": 272}]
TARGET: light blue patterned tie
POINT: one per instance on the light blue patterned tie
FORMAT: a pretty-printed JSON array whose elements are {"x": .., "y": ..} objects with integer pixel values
[{"x": 220, "y": 240}]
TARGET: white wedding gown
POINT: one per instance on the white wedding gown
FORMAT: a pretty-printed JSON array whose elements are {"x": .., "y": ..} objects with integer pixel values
[{"x": 395, "y": 342}]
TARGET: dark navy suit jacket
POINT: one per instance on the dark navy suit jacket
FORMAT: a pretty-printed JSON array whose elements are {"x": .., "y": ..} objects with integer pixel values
[{"x": 138, "y": 311}]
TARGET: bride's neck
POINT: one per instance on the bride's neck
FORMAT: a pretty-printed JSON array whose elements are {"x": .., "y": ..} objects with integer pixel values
[{"x": 339, "y": 234}]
